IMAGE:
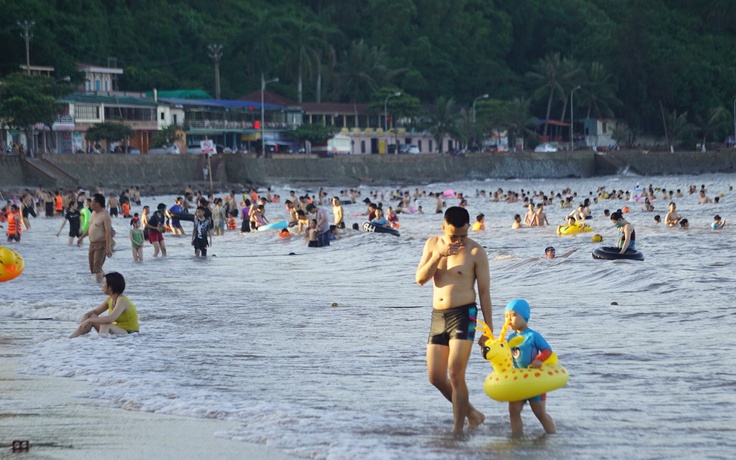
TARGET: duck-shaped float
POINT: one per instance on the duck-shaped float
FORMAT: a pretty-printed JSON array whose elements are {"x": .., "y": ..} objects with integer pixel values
[
  {"x": 11, "y": 264},
  {"x": 506, "y": 383}
]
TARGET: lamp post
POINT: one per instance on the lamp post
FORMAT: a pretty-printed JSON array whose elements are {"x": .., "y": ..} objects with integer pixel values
[
  {"x": 572, "y": 117},
  {"x": 485, "y": 96},
  {"x": 66, "y": 79},
  {"x": 263, "y": 111},
  {"x": 385, "y": 116}
]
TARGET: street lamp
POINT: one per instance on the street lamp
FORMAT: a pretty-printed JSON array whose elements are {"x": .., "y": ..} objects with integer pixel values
[
  {"x": 572, "y": 117},
  {"x": 263, "y": 111},
  {"x": 485, "y": 96},
  {"x": 66, "y": 79},
  {"x": 385, "y": 117}
]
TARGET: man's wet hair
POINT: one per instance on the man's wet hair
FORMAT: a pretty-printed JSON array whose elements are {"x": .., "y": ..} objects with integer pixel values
[{"x": 457, "y": 216}]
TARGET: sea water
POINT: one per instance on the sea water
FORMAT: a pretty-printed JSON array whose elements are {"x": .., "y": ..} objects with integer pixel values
[{"x": 320, "y": 352}]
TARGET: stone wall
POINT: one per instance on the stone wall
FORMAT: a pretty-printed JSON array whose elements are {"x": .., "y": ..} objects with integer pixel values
[{"x": 170, "y": 173}]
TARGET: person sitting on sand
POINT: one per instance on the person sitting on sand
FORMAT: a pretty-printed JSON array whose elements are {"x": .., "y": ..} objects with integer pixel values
[{"x": 122, "y": 317}]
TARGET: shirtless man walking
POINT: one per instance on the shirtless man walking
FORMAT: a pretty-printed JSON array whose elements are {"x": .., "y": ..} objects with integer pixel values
[
  {"x": 455, "y": 263},
  {"x": 100, "y": 236}
]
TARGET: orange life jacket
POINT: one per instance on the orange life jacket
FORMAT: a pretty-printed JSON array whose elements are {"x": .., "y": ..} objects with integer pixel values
[
  {"x": 59, "y": 204},
  {"x": 12, "y": 224}
]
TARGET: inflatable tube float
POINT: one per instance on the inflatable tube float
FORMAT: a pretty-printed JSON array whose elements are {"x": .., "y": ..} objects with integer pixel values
[
  {"x": 11, "y": 264},
  {"x": 274, "y": 226},
  {"x": 579, "y": 227},
  {"x": 507, "y": 383},
  {"x": 611, "y": 253},
  {"x": 346, "y": 202},
  {"x": 182, "y": 216},
  {"x": 374, "y": 228}
]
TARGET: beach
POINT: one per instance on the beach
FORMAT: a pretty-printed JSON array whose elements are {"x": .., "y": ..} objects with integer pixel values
[
  {"x": 59, "y": 425},
  {"x": 268, "y": 347}
]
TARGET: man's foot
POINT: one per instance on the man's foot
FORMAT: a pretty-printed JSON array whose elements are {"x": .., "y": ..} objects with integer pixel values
[{"x": 475, "y": 419}]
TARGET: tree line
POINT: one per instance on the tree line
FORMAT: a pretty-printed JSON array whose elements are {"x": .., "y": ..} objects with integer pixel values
[{"x": 664, "y": 67}]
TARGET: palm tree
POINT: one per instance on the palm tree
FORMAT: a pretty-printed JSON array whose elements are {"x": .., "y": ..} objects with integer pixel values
[
  {"x": 716, "y": 120},
  {"x": 600, "y": 92},
  {"x": 677, "y": 128},
  {"x": 442, "y": 121},
  {"x": 303, "y": 51},
  {"x": 261, "y": 40},
  {"x": 549, "y": 75},
  {"x": 519, "y": 122},
  {"x": 361, "y": 71}
]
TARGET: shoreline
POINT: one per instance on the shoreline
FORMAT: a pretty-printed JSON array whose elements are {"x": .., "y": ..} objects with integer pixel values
[{"x": 58, "y": 425}]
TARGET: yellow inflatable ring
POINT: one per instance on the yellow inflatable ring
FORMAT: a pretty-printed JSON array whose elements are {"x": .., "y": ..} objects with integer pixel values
[
  {"x": 11, "y": 264},
  {"x": 579, "y": 227},
  {"x": 506, "y": 383}
]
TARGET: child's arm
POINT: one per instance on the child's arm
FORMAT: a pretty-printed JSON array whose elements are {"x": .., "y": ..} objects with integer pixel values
[
  {"x": 130, "y": 235},
  {"x": 63, "y": 222},
  {"x": 541, "y": 357}
]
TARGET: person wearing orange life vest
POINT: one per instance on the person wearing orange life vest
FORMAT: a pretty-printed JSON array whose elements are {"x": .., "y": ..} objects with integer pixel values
[
  {"x": 58, "y": 203},
  {"x": 15, "y": 224}
]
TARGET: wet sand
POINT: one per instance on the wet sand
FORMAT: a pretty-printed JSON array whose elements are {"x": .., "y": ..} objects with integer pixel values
[{"x": 59, "y": 425}]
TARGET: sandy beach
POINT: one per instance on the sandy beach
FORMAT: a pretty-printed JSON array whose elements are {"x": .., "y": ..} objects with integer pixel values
[{"x": 59, "y": 425}]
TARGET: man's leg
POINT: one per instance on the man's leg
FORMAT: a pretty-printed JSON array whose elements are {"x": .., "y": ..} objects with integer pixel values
[{"x": 438, "y": 359}]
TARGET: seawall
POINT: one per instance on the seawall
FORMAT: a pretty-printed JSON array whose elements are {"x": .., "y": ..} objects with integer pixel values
[{"x": 169, "y": 173}]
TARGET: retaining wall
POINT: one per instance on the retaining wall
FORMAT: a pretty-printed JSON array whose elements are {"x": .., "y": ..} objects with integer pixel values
[{"x": 169, "y": 173}]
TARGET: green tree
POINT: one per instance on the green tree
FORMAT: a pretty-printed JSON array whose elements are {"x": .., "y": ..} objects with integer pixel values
[
  {"x": 303, "y": 52},
  {"x": 519, "y": 122},
  {"x": 109, "y": 132},
  {"x": 167, "y": 136},
  {"x": 442, "y": 122},
  {"x": 716, "y": 121},
  {"x": 361, "y": 71},
  {"x": 315, "y": 133},
  {"x": 677, "y": 127},
  {"x": 550, "y": 76},
  {"x": 26, "y": 101},
  {"x": 599, "y": 92}
]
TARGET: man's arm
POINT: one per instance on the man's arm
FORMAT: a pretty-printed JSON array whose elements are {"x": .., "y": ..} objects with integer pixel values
[
  {"x": 483, "y": 278},
  {"x": 429, "y": 262},
  {"x": 627, "y": 238},
  {"x": 107, "y": 225}
]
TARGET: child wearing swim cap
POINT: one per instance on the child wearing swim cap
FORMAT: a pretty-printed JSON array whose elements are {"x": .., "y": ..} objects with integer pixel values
[{"x": 532, "y": 352}]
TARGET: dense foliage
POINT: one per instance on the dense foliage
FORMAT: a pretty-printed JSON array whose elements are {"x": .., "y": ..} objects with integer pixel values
[{"x": 637, "y": 60}]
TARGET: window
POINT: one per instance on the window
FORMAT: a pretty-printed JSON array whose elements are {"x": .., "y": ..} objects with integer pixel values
[
  {"x": 419, "y": 144},
  {"x": 97, "y": 85},
  {"x": 163, "y": 115},
  {"x": 430, "y": 146},
  {"x": 605, "y": 126},
  {"x": 362, "y": 146},
  {"x": 87, "y": 112}
]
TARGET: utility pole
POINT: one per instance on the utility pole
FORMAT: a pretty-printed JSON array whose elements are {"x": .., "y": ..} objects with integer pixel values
[
  {"x": 27, "y": 35},
  {"x": 215, "y": 55}
]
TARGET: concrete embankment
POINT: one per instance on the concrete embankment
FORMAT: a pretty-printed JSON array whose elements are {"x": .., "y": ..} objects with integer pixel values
[{"x": 170, "y": 173}]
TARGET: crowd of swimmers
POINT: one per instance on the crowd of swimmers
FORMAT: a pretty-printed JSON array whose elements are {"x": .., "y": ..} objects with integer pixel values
[{"x": 307, "y": 213}]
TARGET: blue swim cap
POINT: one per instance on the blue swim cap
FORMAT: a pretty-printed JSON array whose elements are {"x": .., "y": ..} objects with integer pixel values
[{"x": 521, "y": 307}]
